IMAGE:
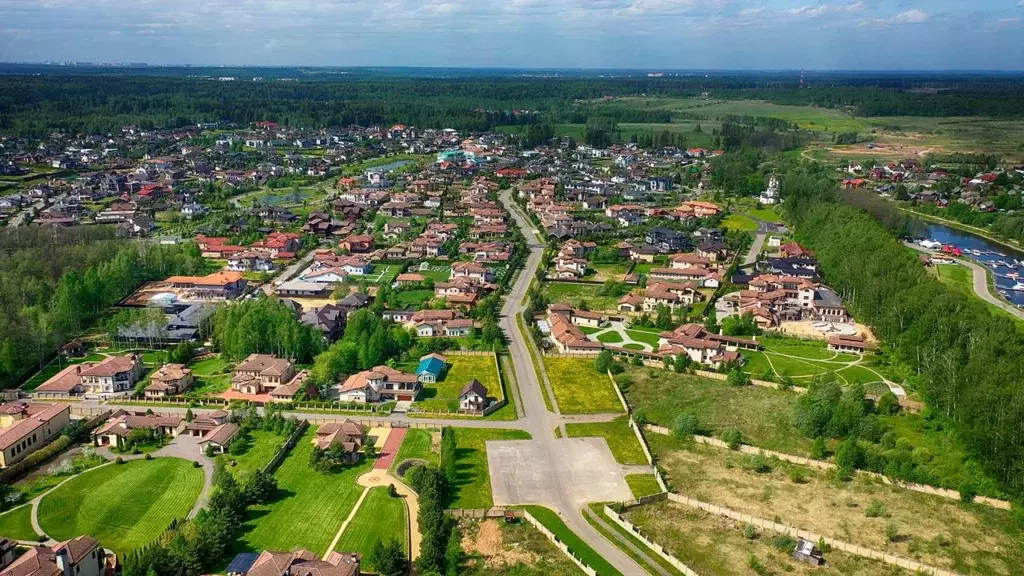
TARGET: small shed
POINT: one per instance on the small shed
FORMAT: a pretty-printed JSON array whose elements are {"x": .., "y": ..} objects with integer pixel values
[{"x": 807, "y": 552}]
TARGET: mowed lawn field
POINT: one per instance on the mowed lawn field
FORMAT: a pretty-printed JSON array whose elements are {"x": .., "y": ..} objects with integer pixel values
[
  {"x": 417, "y": 445},
  {"x": 16, "y": 524},
  {"x": 124, "y": 506},
  {"x": 445, "y": 394},
  {"x": 310, "y": 507},
  {"x": 580, "y": 388},
  {"x": 472, "y": 485},
  {"x": 620, "y": 437},
  {"x": 380, "y": 517},
  {"x": 264, "y": 445}
]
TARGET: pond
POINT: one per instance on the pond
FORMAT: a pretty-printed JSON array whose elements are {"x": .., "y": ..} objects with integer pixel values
[{"x": 1007, "y": 264}]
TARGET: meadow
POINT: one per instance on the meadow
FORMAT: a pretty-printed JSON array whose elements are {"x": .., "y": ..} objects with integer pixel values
[{"x": 579, "y": 388}]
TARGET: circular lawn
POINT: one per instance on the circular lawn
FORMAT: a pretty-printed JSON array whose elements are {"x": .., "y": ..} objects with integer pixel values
[{"x": 124, "y": 506}]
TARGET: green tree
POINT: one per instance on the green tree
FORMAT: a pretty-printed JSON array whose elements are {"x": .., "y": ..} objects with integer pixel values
[{"x": 388, "y": 558}]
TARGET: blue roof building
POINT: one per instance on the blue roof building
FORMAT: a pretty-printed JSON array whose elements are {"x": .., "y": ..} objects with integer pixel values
[{"x": 430, "y": 368}]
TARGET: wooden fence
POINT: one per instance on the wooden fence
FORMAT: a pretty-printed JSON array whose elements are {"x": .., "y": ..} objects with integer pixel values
[
  {"x": 481, "y": 513},
  {"x": 559, "y": 544},
  {"x": 284, "y": 450},
  {"x": 654, "y": 546},
  {"x": 826, "y": 465},
  {"x": 847, "y": 547}
]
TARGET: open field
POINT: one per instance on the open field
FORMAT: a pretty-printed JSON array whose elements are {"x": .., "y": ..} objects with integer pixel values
[
  {"x": 609, "y": 271},
  {"x": 97, "y": 503},
  {"x": 472, "y": 485},
  {"x": 414, "y": 298},
  {"x": 621, "y": 439},
  {"x": 445, "y": 393},
  {"x": 417, "y": 445},
  {"x": 967, "y": 538},
  {"x": 716, "y": 546},
  {"x": 552, "y": 522},
  {"x": 17, "y": 524},
  {"x": 380, "y": 517},
  {"x": 643, "y": 485},
  {"x": 740, "y": 222},
  {"x": 763, "y": 415},
  {"x": 321, "y": 500},
  {"x": 579, "y": 295},
  {"x": 579, "y": 387},
  {"x": 264, "y": 446},
  {"x": 494, "y": 548}
]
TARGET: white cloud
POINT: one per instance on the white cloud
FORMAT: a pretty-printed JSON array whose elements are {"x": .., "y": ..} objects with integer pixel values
[{"x": 913, "y": 16}]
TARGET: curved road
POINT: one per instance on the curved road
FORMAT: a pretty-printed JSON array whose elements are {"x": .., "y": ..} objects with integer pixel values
[{"x": 980, "y": 280}]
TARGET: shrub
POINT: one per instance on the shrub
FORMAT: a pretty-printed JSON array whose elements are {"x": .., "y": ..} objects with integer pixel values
[
  {"x": 196, "y": 464},
  {"x": 685, "y": 426},
  {"x": 392, "y": 492},
  {"x": 892, "y": 531},
  {"x": 798, "y": 475},
  {"x": 757, "y": 566},
  {"x": 784, "y": 543},
  {"x": 875, "y": 509},
  {"x": 749, "y": 532},
  {"x": 818, "y": 449},
  {"x": 849, "y": 457},
  {"x": 888, "y": 404},
  {"x": 640, "y": 417},
  {"x": 738, "y": 378},
  {"x": 119, "y": 460},
  {"x": 968, "y": 492},
  {"x": 758, "y": 463},
  {"x": 148, "y": 456},
  {"x": 732, "y": 437}
]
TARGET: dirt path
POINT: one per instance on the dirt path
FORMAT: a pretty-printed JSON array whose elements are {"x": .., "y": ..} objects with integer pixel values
[{"x": 380, "y": 478}]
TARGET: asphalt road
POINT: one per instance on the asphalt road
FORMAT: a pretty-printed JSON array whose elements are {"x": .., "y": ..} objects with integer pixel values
[
  {"x": 979, "y": 278},
  {"x": 538, "y": 421}
]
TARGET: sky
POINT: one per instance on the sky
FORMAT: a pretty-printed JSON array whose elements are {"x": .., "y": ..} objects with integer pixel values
[{"x": 638, "y": 34}]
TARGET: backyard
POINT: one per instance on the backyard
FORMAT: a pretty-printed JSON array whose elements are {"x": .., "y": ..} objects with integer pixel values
[
  {"x": 417, "y": 445},
  {"x": 212, "y": 376},
  {"x": 264, "y": 446},
  {"x": 124, "y": 506},
  {"x": 472, "y": 485},
  {"x": 579, "y": 295},
  {"x": 54, "y": 367},
  {"x": 380, "y": 517},
  {"x": 444, "y": 395},
  {"x": 321, "y": 499},
  {"x": 579, "y": 388}
]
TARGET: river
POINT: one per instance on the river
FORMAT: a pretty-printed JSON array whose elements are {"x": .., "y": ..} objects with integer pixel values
[{"x": 1005, "y": 262}]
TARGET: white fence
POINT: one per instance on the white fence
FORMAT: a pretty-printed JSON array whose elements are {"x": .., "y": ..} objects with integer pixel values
[
  {"x": 657, "y": 548},
  {"x": 559, "y": 544}
]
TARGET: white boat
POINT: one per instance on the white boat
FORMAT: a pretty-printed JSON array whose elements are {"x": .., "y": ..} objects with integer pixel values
[
  {"x": 930, "y": 244},
  {"x": 1018, "y": 286}
]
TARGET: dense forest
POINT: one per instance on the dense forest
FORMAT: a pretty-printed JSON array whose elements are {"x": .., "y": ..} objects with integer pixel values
[
  {"x": 107, "y": 100},
  {"x": 965, "y": 361},
  {"x": 54, "y": 282}
]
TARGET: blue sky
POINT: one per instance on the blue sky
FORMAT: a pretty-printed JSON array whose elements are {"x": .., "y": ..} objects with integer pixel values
[{"x": 690, "y": 34}]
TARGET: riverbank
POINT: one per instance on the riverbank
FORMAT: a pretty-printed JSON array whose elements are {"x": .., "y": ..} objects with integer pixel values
[{"x": 980, "y": 232}]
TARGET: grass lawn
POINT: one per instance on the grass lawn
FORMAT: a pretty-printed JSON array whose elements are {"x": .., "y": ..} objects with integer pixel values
[
  {"x": 579, "y": 295},
  {"x": 957, "y": 276},
  {"x": 123, "y": 506},
  {"x": 597, "y": 508},
  {"x": 858, "y": 374},
  {"x": 445, "y": 394},
  {"x": 552, "y": 522},
  {"x": 472, "y": 485},
  {"x": 54, "y": 367},
  {"x": 414, "y": 298},
  {"x": 589, "y": 329},
  {"x": 380, "y": 517},
  {"x": 610, "y": 338},
  {"x": 17, "y": 524},
  {"x": 212, "y": 376},
  {"x": 643, "y": 485},
  {"x": 633, "y": 346},
  {"x": 766, "y": 214},
  {"x": 417, "y": 445},
  {"x": 946, "y": 533},
  {"x": 264, "y": 445},
  {"x": 621, "y": 440},
  {"x": 321, "y": 500},
  {"x": 740, "y": 222},
  {"x": 580, "y": 388},
  {"x": 646, "y": 337},
  {"x": 763, "y": 415},
  {"x": 610, "y": 271}
]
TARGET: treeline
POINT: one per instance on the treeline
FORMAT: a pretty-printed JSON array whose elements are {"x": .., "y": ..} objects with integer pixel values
[
  {"x": 55, "y": 282},
  {"x": 966, "y": 362},
  {"x": 264, "y": 326}
]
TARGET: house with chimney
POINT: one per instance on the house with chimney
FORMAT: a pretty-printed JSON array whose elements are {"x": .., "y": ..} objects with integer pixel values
[
  {"x": 169, "y": 380},
  {"x": 81, "y": 556},
  {"x": 379, "y": 384}
]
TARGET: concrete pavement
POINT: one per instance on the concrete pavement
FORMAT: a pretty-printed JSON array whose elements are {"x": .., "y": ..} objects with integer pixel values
[{"x": 541, "y": 423}]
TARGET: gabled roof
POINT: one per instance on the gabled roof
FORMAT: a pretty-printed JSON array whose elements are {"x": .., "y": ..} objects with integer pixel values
[{"x": 475, "y": 387}]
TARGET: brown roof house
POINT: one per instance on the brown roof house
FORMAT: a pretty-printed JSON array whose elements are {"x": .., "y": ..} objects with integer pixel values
[
  {"x": 25, "y": 428},
  {"x": 299, "y": 563},
  {"x": 382, "y": 383},
  {"x": 121, "y": 424},
  {"x": 473, "y": 397},
  {"x": 169, "y": 380},
  {"x": 349, "y": 435},
  {"x": 80, "y": 556},
  {"x": 204, "y": 423},
  {"x": 112, "y": 376},
  {"x": 219, "y": 439},
  {"x": 267, "y": 374}
]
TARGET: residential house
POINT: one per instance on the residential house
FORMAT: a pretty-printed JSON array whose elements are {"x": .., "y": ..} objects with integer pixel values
[
  {"x": 430, "y": 368},
  {"x": 121, "y": 423},
  {"x": 473, "y": 397},
  {"x": 299, "y": 563},
  {"x": 169, "y": 380},
  {"x": 261, "y": 373},
  {"x": 349, "y": 435},
  {"x": 112, "y": 375},
  {"x": 216, "y": 286},
  {"x": 218, "y": 440},
  {"x": 666, "y": 240},
  {"x": 703, "y": 347},
  {"x": 26, "y": 427},
  {"x": 81, "y": 556},
  {"x": 568, "y": 337},
  {"x": 381, "y": 383},
  {"x": 357, "y": 244}
]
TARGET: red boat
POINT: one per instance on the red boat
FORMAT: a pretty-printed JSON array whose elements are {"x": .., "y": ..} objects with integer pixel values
[{"x": 951, "y": 250}]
